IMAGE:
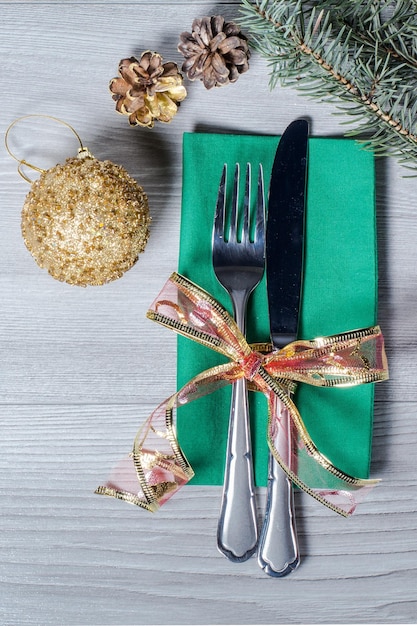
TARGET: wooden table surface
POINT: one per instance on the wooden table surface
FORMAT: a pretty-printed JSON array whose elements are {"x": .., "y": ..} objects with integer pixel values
[{"x": 82, "y": 368}]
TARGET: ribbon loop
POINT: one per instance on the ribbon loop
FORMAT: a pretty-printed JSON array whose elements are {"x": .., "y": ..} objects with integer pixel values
[{"x": 157, "y": 467}]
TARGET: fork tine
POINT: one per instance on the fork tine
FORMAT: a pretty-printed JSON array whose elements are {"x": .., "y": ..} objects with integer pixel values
[
  {"x": 259, "y": 235},
  {"x": 235, "y": 206},
  {"x": 246, "y": 206},
  {"x": 219, "y": 216}
]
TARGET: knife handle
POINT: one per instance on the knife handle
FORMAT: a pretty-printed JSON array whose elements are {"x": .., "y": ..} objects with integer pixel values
[
  {"x": 278, "y": 552},
  {"x": 237, "y": 532}
]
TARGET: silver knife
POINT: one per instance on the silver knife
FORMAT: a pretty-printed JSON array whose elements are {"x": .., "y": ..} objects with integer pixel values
[{"x": 278, "y": 552}]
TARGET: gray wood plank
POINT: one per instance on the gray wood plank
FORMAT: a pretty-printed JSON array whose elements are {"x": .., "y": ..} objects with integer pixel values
[{"x": 79, "y": 366}]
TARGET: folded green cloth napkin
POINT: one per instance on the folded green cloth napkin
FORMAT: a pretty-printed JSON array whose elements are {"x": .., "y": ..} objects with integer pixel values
[{"x": 340, "y": 294}]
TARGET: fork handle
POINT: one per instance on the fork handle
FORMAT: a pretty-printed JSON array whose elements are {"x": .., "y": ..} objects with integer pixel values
[
  {"x": 237, "y": 526},
  {"x": 278, "y": 553}
]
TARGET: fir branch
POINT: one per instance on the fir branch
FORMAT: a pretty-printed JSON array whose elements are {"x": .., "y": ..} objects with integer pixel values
[
  {"x": 360, "y": 54},
  {"x": 396, "y": 35}
]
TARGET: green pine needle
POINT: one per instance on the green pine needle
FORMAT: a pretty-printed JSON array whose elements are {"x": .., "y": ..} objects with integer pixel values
[{"x": 359, "y": 54}]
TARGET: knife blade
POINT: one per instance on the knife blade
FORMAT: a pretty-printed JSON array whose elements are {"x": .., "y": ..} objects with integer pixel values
[{"x": 278, "y": 552}]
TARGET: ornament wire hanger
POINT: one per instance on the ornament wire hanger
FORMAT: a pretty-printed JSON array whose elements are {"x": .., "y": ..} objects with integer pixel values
[{"x": 82, "y": 150}]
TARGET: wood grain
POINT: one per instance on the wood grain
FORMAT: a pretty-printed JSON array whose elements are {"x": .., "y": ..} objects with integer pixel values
[{"x": 82, "y": 368}]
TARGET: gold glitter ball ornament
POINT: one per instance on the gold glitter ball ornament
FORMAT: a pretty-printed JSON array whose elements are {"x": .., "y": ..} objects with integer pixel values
[{"x": 86, "y": 221}]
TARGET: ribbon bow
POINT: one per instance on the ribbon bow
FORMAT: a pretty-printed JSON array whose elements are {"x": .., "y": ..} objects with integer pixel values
[{"x": 157, "y": 467}]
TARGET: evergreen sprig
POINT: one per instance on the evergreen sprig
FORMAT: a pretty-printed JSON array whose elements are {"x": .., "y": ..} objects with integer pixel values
[{"x": 360, "y": 54}]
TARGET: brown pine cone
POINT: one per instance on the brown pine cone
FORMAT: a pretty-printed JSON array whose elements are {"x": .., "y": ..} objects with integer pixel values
[
  {"x": 215, "y": 51},
  {"x": 147, "y": 89}
]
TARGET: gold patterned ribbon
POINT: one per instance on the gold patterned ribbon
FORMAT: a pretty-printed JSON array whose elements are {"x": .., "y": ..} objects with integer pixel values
[{"x": 157, "y": 467}]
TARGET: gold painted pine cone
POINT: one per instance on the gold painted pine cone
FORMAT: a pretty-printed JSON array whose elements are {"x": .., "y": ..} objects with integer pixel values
[
  {"x": 215, "y": 51},
  {"x": 148, "y": 89}
]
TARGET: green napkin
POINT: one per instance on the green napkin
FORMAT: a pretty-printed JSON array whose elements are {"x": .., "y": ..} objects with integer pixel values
[{"x": 340, "y": 294}]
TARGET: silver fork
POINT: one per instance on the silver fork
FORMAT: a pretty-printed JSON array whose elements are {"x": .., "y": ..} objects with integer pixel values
[{"x": 238, "y": 263}]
